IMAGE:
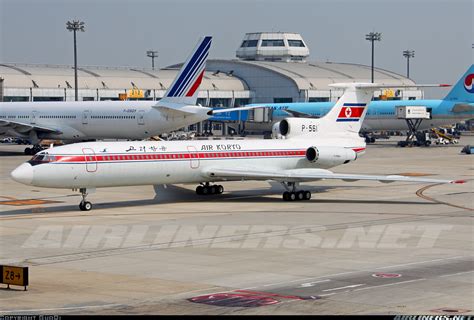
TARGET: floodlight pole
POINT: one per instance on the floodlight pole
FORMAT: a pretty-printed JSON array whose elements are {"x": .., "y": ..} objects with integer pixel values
[
  {"x": 152, "y": 54},
  {"x": 372, "y": 37},
  {"x": 408, "y": 54},
  {"x": 75, "y": 26}
]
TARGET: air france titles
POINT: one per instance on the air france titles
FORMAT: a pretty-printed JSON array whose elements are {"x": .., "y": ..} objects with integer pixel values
[{"x": 220, "y": 147}]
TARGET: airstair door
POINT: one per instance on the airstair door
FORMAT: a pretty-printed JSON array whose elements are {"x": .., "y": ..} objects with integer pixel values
[{"x": 91, "y": 159}]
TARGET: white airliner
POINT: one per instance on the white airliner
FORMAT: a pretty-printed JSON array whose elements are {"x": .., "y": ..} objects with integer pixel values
[
  {"x": 311, "y": 147},
  {"x": 78, "y": 121}
]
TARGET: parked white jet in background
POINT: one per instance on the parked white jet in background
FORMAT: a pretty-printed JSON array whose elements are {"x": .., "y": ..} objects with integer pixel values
[
  {"x": 311, "y": 147},
  {"x": 78, "y": 121}
]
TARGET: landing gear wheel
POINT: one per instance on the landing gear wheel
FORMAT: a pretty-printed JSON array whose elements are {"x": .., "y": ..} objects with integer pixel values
[
  {"x": 300, "y": 195},
  {"x": 85, "y": 206},
  {"x": 286, "y": 196},
  {"x": 28, "y": 151},
  {"x": 199, "y": 190},
  {"x": 307, "y": 195},
  {"x": 207, "y": 189},
  {"x": 292, "y": 196},
  {"x": 213, "y": 189}
]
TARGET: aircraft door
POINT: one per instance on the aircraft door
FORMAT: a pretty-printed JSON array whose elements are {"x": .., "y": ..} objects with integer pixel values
[
  {"x": 85, "y": 116},
  {"x": 33, "y": 117},
  {"x": 141, "y": 117},
  {"x": 91, "y": 159},
  {"x": 193, "y": 157}
]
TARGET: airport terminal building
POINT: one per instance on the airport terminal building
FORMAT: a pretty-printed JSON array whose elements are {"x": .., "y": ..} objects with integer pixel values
[{"x": 269, "y": 67}]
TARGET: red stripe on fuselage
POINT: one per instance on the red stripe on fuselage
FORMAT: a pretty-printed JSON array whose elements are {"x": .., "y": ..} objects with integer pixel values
[{"x": 178, "y": 156}]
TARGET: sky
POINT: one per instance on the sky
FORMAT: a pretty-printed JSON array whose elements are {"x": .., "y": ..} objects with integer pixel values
[{"x": 118, "y": 33}]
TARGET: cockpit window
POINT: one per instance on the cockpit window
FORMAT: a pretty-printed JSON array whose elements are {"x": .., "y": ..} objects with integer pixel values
[{"x": 40, "y": 158}]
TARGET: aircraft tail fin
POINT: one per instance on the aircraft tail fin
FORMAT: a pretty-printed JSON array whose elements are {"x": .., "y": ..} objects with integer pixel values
[
  {"x": 350, "y": 110},
  {"x": 184, "y": 89},
  {"x": 463, "y": 91}
]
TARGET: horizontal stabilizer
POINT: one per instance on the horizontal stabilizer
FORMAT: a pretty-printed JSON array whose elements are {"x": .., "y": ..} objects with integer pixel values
[
  {"x": 178, "y": 111},
  {"x": 216, "y": 111},
  {"x": 298, "y": 114}
]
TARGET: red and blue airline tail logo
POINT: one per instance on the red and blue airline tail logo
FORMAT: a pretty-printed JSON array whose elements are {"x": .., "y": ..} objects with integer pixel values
[
  {"x": 191, "y": 74},
  {"x": 469, "y": 83},
  {"x": 351, "y": 112}
]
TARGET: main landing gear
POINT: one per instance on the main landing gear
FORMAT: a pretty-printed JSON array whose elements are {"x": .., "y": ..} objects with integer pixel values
[
  {"x": 84, "y": 205},
  {"x": 292, "y": 195},
  {"x": 207, "y": 189}
]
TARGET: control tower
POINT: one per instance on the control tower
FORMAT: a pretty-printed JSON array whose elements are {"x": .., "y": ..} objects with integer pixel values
[{"x": 273, "y": 46}]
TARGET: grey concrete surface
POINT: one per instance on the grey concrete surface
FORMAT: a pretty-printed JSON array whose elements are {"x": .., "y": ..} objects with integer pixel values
[{"x": 355, "y": 248}]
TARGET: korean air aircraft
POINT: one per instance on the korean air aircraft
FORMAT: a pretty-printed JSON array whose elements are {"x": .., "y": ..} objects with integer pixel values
[
  {"x": 78, "y": 121},
  {"x": 458, "y": 105}
]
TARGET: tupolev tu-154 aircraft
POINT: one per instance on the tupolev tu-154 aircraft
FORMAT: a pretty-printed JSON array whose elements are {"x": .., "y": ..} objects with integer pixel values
[
  {"x": 312, "y": 146},
  {"x": 78, "y": 121}
]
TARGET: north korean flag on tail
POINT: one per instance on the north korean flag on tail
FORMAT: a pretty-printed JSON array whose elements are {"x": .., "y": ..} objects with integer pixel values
[{"x": 351, "y": 112}]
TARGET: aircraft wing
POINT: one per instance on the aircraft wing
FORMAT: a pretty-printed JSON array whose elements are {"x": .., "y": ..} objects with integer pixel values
[
  {"x": 6, "y": 125},
  {"x": 300, "y": 175}
]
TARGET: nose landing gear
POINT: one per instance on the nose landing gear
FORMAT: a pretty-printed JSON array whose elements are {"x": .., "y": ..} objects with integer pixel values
[
  {"x": 84, "y": 205},
  {"x": 207, "y": 189},
  {"x": 292, "y": 195}
]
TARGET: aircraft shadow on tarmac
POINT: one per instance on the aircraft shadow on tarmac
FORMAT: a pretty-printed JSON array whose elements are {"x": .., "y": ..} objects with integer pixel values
[
  {"x": 175, "y": 194},
  {"x": 5, "y": 153}
]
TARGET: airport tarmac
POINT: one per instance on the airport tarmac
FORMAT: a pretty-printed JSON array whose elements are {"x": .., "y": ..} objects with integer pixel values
[{"x": 354, "y": 248}]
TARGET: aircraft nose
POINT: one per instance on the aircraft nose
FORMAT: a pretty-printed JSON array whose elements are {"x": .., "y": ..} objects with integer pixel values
[{"x": 23, "y": 174}]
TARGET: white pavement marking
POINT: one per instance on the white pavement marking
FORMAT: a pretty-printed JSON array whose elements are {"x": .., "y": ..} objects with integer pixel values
[
  {"x": 351, "y": 286},
  {"x": 357, "y": 271},
  {"x": 409, "y": 264},
  {"x": 389, "y": 284},
  {"x": 455, "y": 274},
  {"x": 311, "y": 284},
  {"x": 326, "y": 294}
]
